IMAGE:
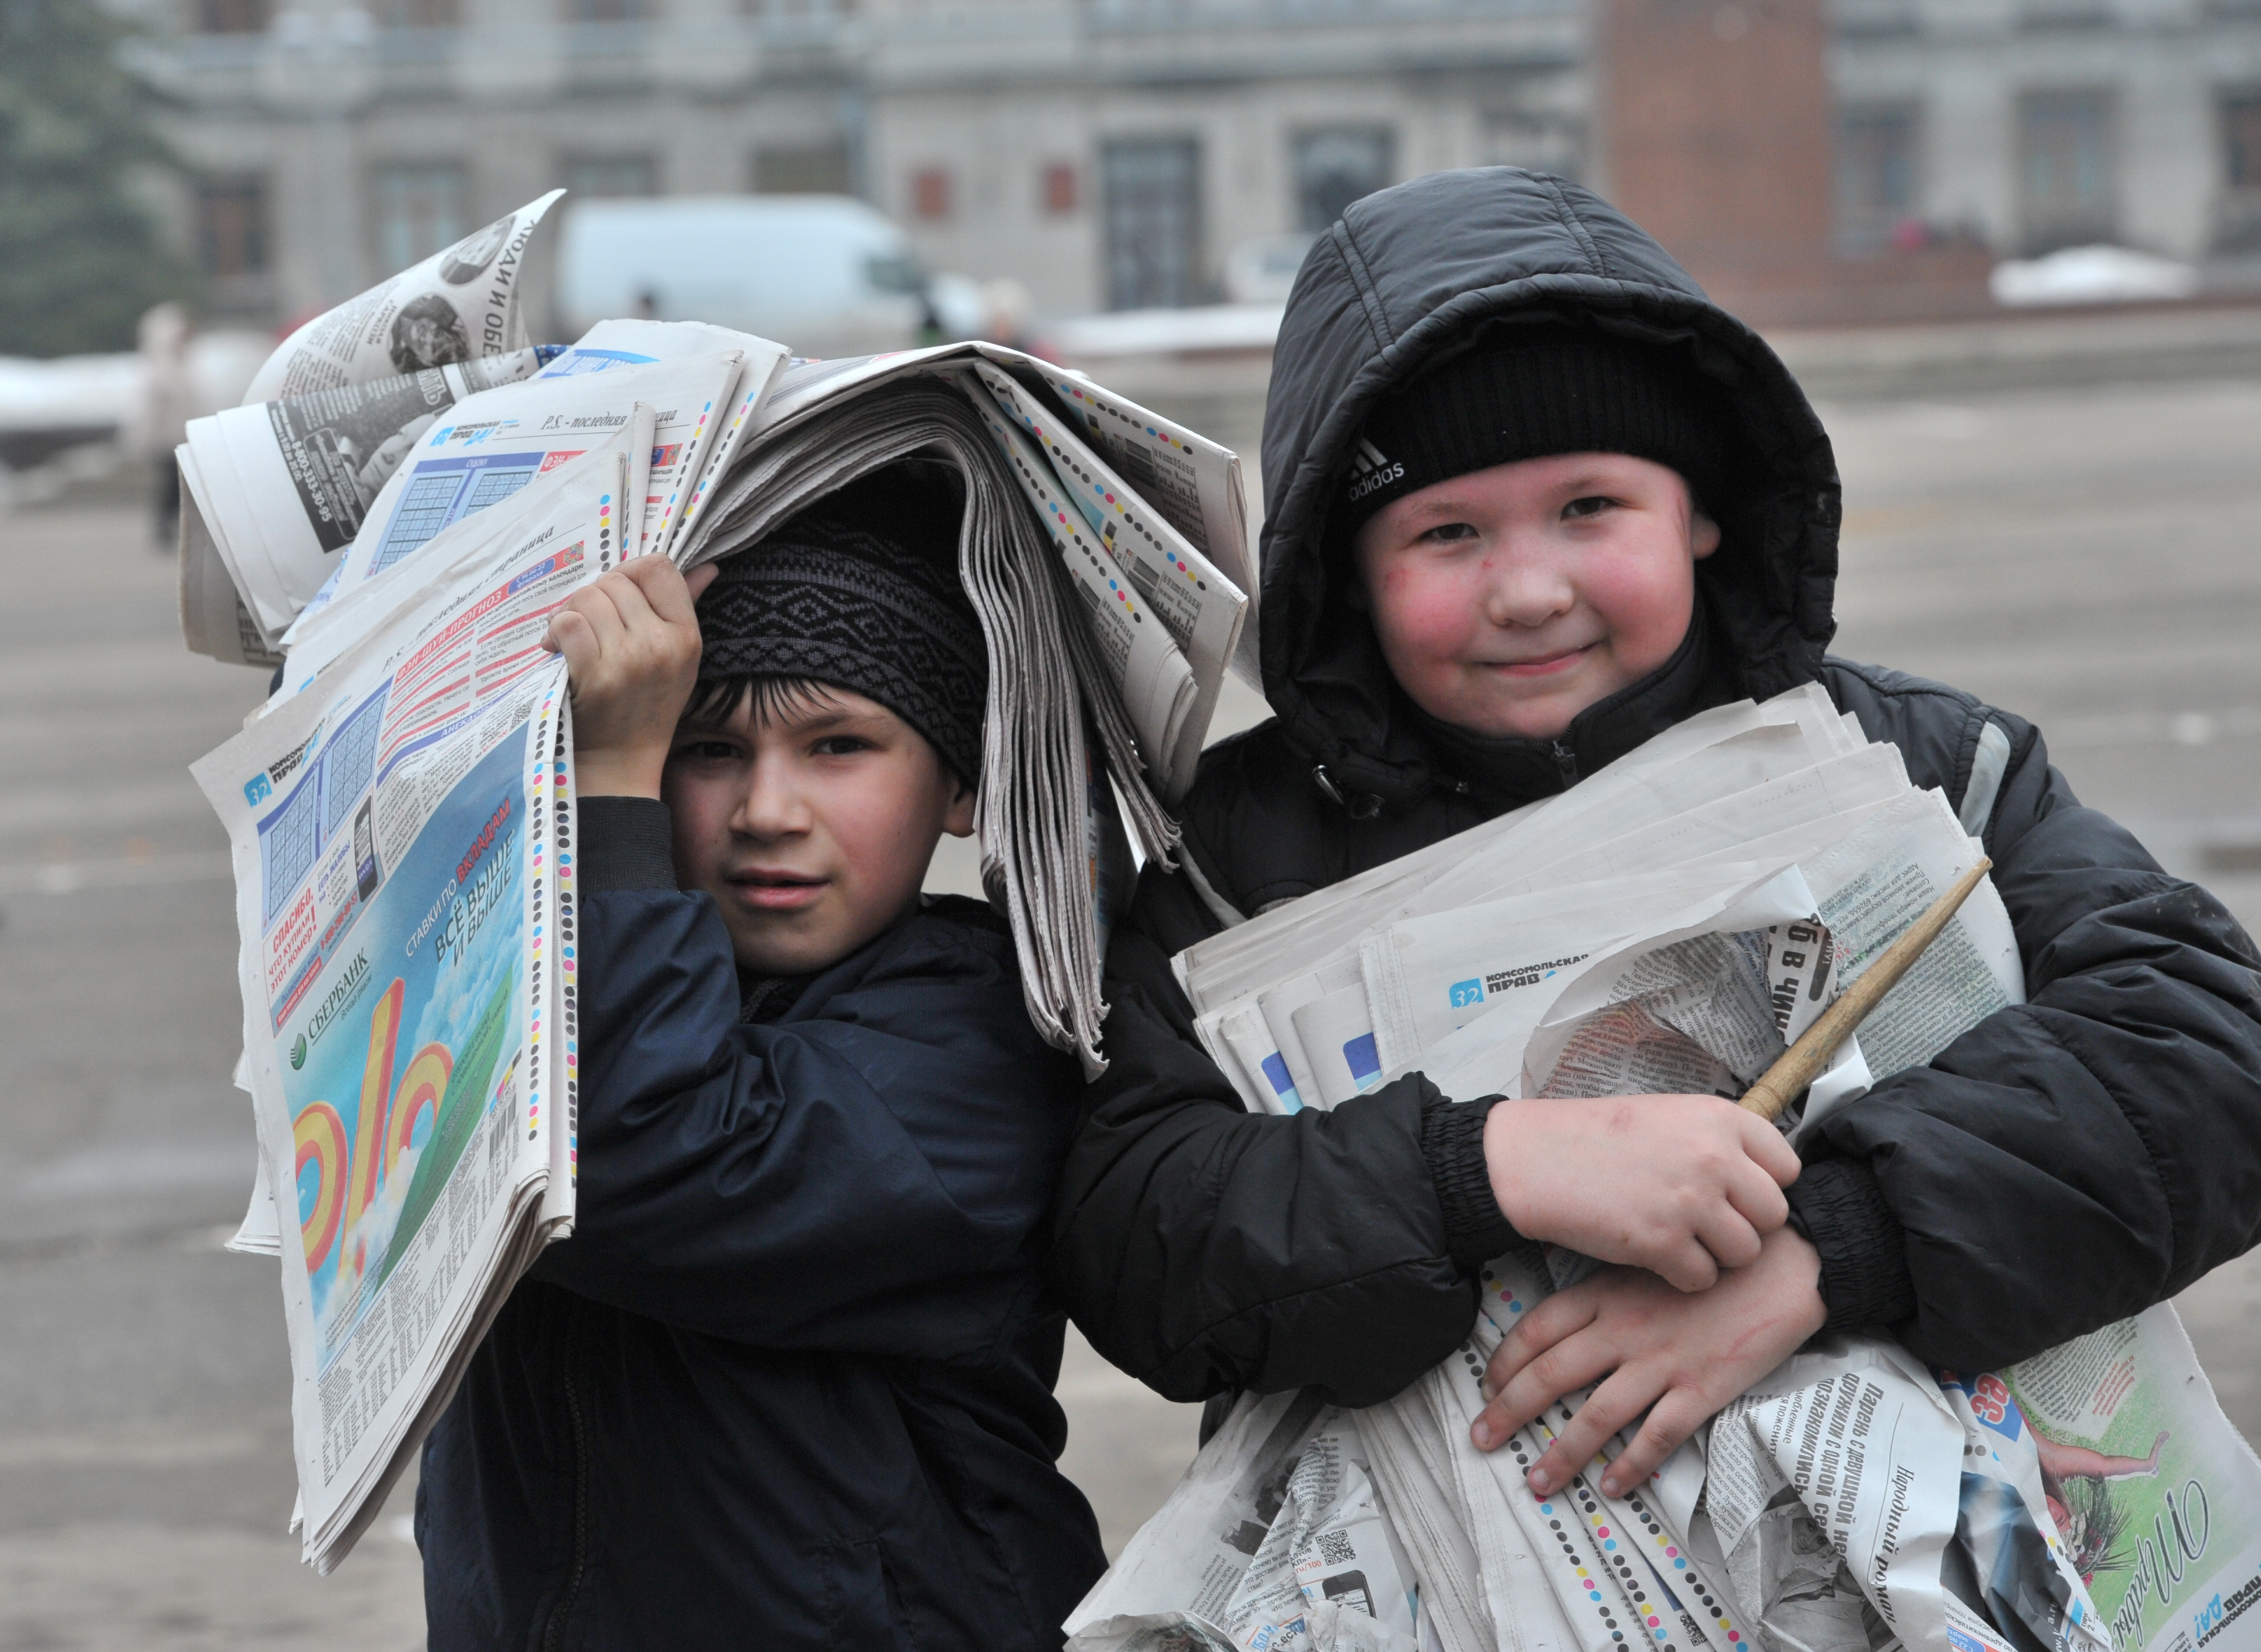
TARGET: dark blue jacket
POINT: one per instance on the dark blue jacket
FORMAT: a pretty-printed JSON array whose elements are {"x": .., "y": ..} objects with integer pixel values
[{"x": 789, "y": 1384}]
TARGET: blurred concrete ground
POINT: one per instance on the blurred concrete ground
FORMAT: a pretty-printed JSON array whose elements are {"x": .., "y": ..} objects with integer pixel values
[{"x": 2082, "y": 555}]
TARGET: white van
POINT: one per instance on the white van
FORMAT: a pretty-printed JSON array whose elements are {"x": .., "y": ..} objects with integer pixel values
[{"x": 826, "y": 274}]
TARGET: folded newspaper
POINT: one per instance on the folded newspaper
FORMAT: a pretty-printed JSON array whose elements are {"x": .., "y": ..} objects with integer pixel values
[
  {"x": 1669, "y": 925},
  {"x": 272, "y": 490},
  {"x": 400, "y": 809}
]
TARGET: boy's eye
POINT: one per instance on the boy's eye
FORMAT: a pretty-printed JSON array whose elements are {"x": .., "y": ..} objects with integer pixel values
[
  {"x": 1591, "y": 505},
  {"x": 707, "y": 751},
  {"x": 841, "y": 745},
  {"x": 1447, "y": 533}
]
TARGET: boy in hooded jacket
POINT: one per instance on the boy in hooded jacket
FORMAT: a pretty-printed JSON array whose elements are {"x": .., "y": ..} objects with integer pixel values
[
  {"x": 1533, "y": 500},
  {"x": 789, "y": 1383}
]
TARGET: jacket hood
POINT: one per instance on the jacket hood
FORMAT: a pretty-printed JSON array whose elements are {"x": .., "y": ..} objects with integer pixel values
[{"x": 1414, "y": 274}]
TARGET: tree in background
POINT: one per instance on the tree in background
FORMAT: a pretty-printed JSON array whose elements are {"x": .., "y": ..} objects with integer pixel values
[{"x": 80, "y": 259}]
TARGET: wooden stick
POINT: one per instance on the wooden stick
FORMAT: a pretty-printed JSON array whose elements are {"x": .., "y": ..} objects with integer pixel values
[{"x": 1817, "y": 1047}]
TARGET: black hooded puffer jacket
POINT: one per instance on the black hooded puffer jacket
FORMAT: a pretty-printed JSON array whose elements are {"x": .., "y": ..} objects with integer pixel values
[{"x": 2069, "y": 1162}]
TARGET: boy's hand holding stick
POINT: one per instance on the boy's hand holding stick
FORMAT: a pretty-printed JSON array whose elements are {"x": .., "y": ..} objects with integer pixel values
[
  {"x": 1665, "y": 1358},
  {"x": 1803, "y": 1062}
]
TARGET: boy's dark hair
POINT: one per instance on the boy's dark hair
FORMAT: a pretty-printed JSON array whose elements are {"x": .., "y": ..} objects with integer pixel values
[
  {"x": 858, "y": 592},
  {"x": 715, "y": 699}
]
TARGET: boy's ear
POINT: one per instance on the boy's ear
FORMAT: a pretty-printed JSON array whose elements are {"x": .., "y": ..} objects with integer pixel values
[
  {"x": 1702, "y": 534},
  {"x": 957, "y": 817}
]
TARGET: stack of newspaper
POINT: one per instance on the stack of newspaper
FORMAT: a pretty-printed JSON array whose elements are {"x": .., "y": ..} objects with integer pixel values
[
  {"x": 1666, "y": 926},
  {"x": 271, "y": 491},
  {"x": 400, "y": 810}
]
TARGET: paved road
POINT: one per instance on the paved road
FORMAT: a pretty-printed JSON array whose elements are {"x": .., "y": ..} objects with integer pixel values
[{"x": 2083, "y": 556}]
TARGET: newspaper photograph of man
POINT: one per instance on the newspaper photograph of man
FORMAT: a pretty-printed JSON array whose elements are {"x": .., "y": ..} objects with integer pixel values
[{"x": 428, "y": 333}]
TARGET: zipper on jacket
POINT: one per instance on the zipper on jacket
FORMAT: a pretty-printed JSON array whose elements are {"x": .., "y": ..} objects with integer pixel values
[
  {"x": 553, "y": 1637},
  {"x": 1566, "y": 762}
]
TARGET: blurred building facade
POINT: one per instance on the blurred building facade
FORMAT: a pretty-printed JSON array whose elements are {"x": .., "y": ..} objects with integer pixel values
[
  {"x": 1113, "y": 153},
  {"x": 2034, "y": 124}
]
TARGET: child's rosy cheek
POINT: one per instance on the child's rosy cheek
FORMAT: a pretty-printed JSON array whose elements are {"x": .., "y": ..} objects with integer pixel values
[
  {"x": 1430, "y": 612},
  {"x": 1447, "y": 628}
]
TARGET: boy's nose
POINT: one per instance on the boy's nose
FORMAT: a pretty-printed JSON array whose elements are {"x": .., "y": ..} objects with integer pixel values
[
  {"x": 771, "y": 805},
  {"x": 1524, "y": 589}
]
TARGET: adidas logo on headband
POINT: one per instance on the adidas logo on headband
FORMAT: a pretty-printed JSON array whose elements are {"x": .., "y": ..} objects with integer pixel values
[{"x": 1370, "y": 469}]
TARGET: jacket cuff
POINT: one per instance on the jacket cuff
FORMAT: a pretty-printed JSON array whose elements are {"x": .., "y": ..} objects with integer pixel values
[
  {"x": 1839, "y": 1206},
  {"x": 1452, "y": 1141},
  {"x": 627, "y": 842}
]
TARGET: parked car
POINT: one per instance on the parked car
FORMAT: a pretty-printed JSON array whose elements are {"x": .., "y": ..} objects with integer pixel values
[{"x": 825, "y": 274}]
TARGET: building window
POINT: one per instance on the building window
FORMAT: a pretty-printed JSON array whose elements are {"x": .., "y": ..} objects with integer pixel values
[
  {"x": 418, "y": 14},
  {"x": 1877, "y": 158},
  {"x": 2064, "y": 14},
  {"x": 1333, "y": 168},
  {"x": 591, "y": 177},
  {"x": 1152, "y": 189},
  {"x": 419, "y": 209},
  {"x": 2237, "y": 226},
  {"x": 1058, "y": 186},
  {"x": 233, "y": 17},
  {"x": 2241, "y": 141},
  {"x": 930, "y": 193},
  {"x": 2066, "y": 145},
  {"x": 231, "y": 228},
  {"x": 806, "y": 168}
]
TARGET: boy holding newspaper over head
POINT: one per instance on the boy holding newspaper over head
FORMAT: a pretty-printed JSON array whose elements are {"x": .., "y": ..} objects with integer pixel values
[
  {"x": 1532, "y": 501},
  {"x": 789, "y": 1382}
]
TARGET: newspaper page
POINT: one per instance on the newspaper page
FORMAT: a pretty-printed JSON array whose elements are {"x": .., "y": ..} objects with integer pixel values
[
  {"x": 1560, "y": 1568},
  {"x": 495, "y": 443},
  {"x": 1851, "y": 1499},
  {"x": 1193, "y": 481},
  {"x": 1831, "y": 1489},
  {"x": 1156, "y": 684},
  {"x": 1316, "y": 926},
  {"x": 1275, "y": 1542},
  {"x": 2153, "y": 1493},
  {"x": 484, "y": 472},
  {"x": 1427, "y": 975},
  {"x": 1423, "y": 1505},
  {"x": 1328, "y": 1545},
  {"x": 394, "y": 837},
  {"x": 322, "y": 635},
  {"x": 215, "y": 619},
  {"x": 636, "y": 342},
  {"x": 633, "y": 342},
  {"x": 457, "y": 306},
  {"x": 1191, "y": 1557},
  {"x": 283, "y": 486},
  {"x": 1203, "y": 610}
]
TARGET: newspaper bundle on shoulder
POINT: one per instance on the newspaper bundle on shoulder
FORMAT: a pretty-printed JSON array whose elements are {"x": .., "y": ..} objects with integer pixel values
[
  {"x": 400, "y": 809},
  {"x": 1670, "y": 924},
  {"x": 401, "y": 836}
]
